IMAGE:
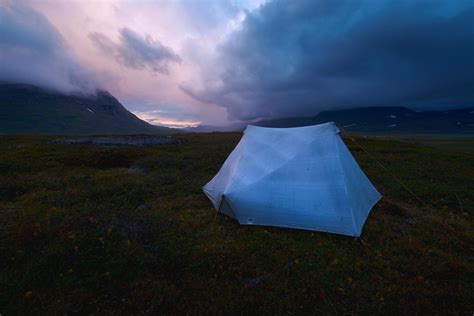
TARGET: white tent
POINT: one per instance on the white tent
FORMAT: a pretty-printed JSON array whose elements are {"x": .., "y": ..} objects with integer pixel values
[{"x": 303, "y": 177}]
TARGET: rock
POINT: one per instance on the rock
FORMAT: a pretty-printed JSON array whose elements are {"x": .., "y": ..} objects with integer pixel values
[
  {"x": 136, "y": 169},
  {"x": 254, "y": 282},
  {"x": 141, "y": 207},
  {"x": 123, "y": 141}
]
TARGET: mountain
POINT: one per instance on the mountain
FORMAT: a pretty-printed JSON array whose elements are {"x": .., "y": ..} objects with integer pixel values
[
  {"x": 388, "y": 120},
  {"x": 376, "y": 120},
  {"x": 26, "y": 109},
  {"x": 236, "y": 127}
]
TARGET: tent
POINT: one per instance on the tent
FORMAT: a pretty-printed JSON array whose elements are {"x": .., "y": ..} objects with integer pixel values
[{"x": 302, "y": 177}]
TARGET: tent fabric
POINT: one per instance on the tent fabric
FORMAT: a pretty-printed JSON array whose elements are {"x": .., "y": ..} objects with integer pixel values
[{"x": 302, "y": 177}]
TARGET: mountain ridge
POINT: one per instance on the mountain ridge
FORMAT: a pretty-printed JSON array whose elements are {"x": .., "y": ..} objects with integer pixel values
[
  {"x": 28, "y": 109},
  {"x": 377, "y": 120}
]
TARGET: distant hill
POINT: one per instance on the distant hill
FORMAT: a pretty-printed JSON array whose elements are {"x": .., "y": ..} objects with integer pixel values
[
  {"x": 377, "y": 120},
  {"x": 389, "y": 120},
  {"x": 26, "y": 109},
  {"x": 237, "y": 127}
]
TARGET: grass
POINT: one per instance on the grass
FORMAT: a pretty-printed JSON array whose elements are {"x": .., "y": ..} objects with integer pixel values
[
  {"x": 85, "y": 229},
  {"x": 459, "y": 143}
]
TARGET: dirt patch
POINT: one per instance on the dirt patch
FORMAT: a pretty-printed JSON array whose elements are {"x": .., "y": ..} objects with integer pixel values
[{"x": 122, "y": 141}]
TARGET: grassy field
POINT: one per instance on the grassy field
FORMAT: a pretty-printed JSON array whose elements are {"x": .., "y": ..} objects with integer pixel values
[{"x": 85, "y": 229}]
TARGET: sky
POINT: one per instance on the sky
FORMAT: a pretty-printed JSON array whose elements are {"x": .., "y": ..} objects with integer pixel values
[{"x": 215, "y": 62}]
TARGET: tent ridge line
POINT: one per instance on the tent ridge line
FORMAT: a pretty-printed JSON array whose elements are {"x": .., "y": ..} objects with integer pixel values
[
  {"x": 265, "y": 175},
  {"x": 271, "y": 172},
  {"x": 236, "y": 166},
  {"x": 344, "y": 180}
]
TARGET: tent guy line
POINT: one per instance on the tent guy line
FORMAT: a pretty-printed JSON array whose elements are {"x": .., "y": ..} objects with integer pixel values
[{"x": 403, "y": 185}]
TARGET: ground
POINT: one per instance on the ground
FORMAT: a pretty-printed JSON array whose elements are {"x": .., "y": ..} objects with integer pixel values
[{"x": 86, "y": 229}]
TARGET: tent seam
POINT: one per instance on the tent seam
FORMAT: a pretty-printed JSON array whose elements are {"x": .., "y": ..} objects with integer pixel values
[
  {"x": 345, "y": 182},
  {"x": 229, "y": 182},
  {"x": 270, "y": 173},
  {"x": 265, "y": 175}
]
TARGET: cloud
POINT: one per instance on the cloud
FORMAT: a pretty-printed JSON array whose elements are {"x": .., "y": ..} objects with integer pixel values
[
  {"x": 298, "y": 58},
  {"x": 164, "y": 118},
  {"x": 135, "y": 51},
  {"x": 32, "y": 51},
  {"x": 170, "y": 114}
]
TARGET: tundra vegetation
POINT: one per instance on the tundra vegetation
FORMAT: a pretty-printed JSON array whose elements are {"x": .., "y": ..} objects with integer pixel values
[{"x": 89, "y": 229}]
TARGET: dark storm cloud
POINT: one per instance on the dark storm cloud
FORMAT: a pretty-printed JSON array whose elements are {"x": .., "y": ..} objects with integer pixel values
[
  {"x": 294, "y": 58},
  {"x": 33, "y": 52},
  {"x": 135, "y": 51}
]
